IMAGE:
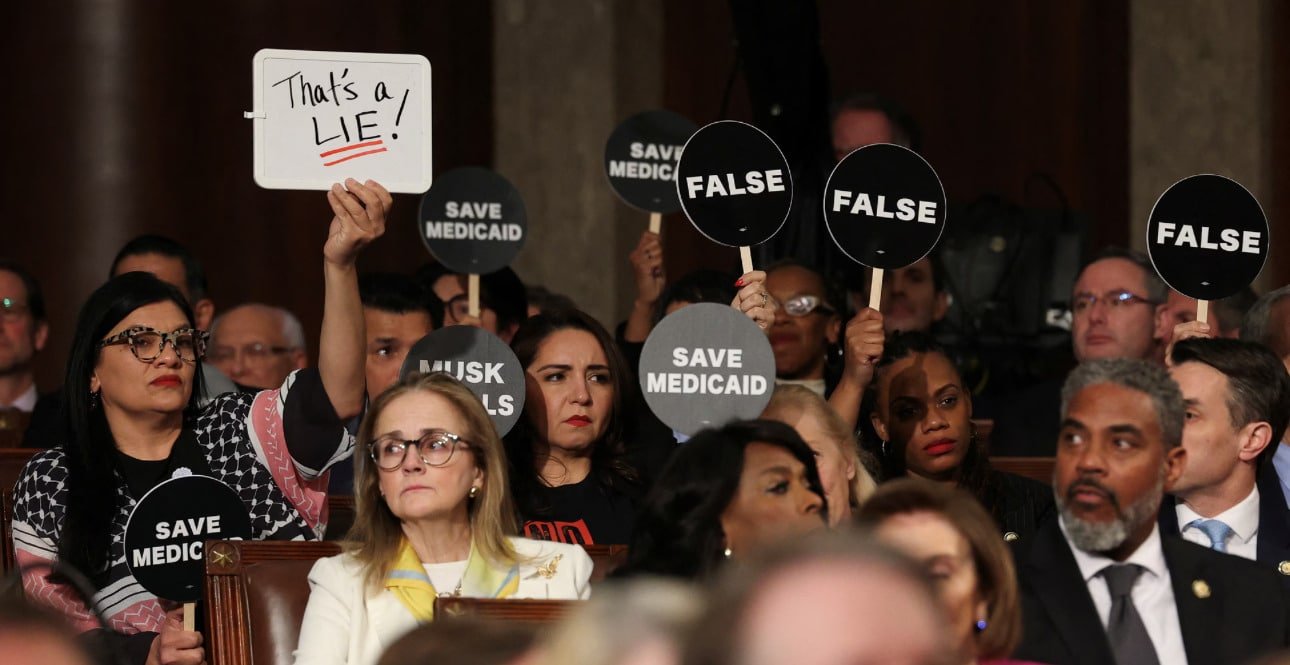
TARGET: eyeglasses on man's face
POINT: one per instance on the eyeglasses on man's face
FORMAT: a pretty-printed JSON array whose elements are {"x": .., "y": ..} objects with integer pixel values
[
  {"x": 1082, "y": 303},
  {"x": 435, "y": 448},
  {"x": 253, "y": 353},
  {"x": 148, "y": 343}
]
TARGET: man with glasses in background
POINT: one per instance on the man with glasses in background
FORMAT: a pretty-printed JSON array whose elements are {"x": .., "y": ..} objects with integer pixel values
[
  {"x": 257, "y": 345},
  {"x": 1113, "y": 315}
]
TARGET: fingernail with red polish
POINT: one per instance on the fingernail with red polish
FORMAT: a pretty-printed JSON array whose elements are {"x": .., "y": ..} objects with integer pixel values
[{"x": 739, "y": 282}]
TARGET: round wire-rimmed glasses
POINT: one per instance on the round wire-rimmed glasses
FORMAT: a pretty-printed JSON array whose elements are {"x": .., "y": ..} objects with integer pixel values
[{"x": 435, "y": 448}]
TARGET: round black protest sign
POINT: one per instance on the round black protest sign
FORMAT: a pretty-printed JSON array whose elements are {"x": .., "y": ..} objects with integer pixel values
[
  {"x": 884, "y": 206},
  {"x": 472, "y": 220},
  {"x": 705, "y": 365},
  {"x": 481, "y": 361},
  {"x": 1207, "y": 237},
  {"x": 166, "y": 531},
  {"x": 734, "y": 184},
  {"x": 641, "y": 157}
]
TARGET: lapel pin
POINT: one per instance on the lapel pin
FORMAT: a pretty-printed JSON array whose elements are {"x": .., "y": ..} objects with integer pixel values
[
  {"x": 1010, "y": 536},
  {"x": 1200, "y": 588},
  {"x": 548, "y": 571},
  {"x": 1284, "y": 567}
]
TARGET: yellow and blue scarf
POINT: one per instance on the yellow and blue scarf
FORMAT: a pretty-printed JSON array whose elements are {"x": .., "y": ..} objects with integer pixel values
[{"x": 408, "y": 581}]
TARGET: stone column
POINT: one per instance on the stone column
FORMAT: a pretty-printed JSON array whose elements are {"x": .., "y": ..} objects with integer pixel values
[
  {"x": 565, "y": 73},
  {"x": 1199, "y": 96}
]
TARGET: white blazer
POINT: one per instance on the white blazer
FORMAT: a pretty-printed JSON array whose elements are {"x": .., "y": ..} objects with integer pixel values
[{"x": 344, "y": 624}]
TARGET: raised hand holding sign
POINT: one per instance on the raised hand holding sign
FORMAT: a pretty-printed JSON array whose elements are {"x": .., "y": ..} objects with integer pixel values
[
  {"x": 473, "y": 221},
  {"x": 640, "y": 162},
  {"x": 1207, "y": 238},
  {"x": 734, "y": 185},
  {"x": 884, "y": 206}
]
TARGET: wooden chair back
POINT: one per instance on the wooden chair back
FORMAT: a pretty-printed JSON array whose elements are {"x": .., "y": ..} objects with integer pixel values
[{"x": 255, "y": 593}]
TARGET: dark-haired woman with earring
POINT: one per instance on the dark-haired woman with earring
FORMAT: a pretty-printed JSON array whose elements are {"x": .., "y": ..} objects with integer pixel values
[
  {"x": 132, "y": 415},
  {"x": 922, "y": 415},
  {"x": 727, "y": 493}
]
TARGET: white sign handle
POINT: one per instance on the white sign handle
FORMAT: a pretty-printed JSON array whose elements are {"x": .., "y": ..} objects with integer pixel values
[
  {"x": 472, "y": 295},
  {"x": 1202, "y": 311},
  {"x": 190, "y": 616},
  {"x": 875, "y": 290},
  {"x": 655, "y": 222},
  {"x": 745, "y": 255}
]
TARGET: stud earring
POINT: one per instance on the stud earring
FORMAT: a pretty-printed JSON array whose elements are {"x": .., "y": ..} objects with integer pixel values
[
  {"x": 473, "y": 492},
  {"x": 727, "y": 553},
  {"x": 980, "y": 625}
]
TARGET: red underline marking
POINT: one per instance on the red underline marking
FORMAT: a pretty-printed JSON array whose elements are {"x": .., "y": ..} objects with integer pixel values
[
  {"x": 351, "y": 147},
  {"x": 354, "y": 156}
]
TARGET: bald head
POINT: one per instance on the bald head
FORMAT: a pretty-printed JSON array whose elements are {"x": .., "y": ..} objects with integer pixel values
[{"x": 257, "y": 345}]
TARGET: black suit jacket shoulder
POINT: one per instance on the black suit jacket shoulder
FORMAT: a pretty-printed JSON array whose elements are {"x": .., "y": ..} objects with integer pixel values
[
  {"x": 1230, "y": 609},
  {"x": 1021, "y": 504},
  {"x": 1028, "y": 422}
]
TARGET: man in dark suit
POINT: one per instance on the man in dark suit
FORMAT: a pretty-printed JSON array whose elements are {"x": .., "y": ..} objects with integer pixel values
[
  {"x": 1237, "y": 396},
  {"x": 1102, "y": 584}
]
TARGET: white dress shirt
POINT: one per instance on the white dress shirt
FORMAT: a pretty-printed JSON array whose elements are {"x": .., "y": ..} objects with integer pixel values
[
  {"x": 1153, "y": 594},
  {"x": 25, "y": 402},
  {"x": 1243, "y": 518}
]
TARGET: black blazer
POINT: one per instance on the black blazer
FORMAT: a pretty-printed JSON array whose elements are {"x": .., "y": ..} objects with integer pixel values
[
  {"x": 1247, "y": 613},
  {"x": 1020, "y": 505},
  {"x": 1273, "y": 549}
]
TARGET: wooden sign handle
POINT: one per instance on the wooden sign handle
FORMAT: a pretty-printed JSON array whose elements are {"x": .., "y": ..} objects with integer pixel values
[
  {"x": 875, "y": 290},
  {"x": 190, "y": 616},
  {"x": 655, "y": 222},
  {"x": 1202, "y": 311},
  {"x": 745, "y": 255},
  {"x": 472, "y": 295}
]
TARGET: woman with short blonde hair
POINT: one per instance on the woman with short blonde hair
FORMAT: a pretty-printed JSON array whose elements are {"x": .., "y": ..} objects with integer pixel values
[
  {"x": 846, "y": 482},
  {"x": 433, "y": 518}
]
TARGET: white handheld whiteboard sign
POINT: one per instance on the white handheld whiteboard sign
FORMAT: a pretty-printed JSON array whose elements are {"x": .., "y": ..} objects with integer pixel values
[{"x": 323, "y": 116}]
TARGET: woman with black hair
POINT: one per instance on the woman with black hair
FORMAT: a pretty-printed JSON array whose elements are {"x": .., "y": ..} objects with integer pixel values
[
  {"x": 922, "y": 415},
  {"x": 133, "y": 420},
  {"x": 570, "y": 475},
  {"x": 727, "y": 492}
]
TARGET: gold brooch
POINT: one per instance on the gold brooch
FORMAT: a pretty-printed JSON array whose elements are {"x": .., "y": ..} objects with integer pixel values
[
  {"x": 1200, "y": 588},
  {"x": 548, "y": 571},
  {"x": 1010, "y": 536},
  {"x": 1284, "y": 567}
]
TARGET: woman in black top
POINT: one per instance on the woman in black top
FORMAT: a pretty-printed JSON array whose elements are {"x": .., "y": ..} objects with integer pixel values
[
  {"x": 922, "y": 414},
  {"x": 569, "y": 471},
  {"x": 131, "y": 408}
]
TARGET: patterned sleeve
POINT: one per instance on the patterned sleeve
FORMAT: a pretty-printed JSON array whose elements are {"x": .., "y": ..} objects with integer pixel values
[
  {"x": 38, "y": 510},
  {"x": 315, "y": 436}
]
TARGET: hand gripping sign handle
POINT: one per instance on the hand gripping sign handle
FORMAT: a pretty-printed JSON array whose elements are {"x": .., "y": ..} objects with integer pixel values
[
  {"x": 472, "y": 295},
  {"x": 190, "y": 617},
  {"x": 1202, "y": 311},
  {"x": 655, "y": 222},
  {"x": 875, "y": 290},
  {"x": 745, "y": 255}
]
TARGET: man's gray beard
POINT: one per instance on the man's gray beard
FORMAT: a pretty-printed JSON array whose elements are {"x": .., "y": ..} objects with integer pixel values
[{"x": 1097, "y": 537}]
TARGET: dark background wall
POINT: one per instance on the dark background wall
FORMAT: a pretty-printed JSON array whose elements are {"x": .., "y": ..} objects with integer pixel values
[{"x": 125, "y": 117}]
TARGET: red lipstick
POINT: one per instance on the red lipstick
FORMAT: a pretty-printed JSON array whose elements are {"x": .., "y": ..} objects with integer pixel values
[{"x": 578, "y": 421}]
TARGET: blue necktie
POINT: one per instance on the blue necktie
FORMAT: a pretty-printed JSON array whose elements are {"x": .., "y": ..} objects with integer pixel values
[{"x": 1216, "y": 531}]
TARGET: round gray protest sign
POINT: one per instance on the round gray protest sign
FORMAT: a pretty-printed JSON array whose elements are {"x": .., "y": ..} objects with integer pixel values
[
  {"x": 641, "y": 157},
  {"x": 1207, "y": 237},
  {"x": 168, "y": 527},
  {"x": 481, "y": 361},
  {"x": 705, "y": 365},
  {"x": 734, "y": 184},
  {"x": 884, "y": 206},
  {"x": 473, "y": 221}
]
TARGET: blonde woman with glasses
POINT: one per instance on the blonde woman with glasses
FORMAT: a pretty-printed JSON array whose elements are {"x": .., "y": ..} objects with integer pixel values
[{"x": 433, "y": 518}]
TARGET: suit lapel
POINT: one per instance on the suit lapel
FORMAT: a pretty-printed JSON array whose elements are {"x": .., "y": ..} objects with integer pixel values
[
  {"x": 388, "y": 619},
  {"x": 1199, "y": 598},
  {"x": 1274, "y": 522},
  {"x": 1057, "y": 583},
  {"x": 1168, "y": 519}
]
